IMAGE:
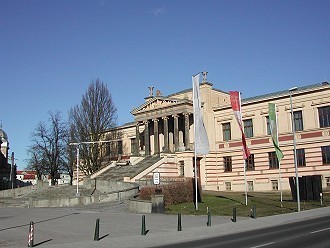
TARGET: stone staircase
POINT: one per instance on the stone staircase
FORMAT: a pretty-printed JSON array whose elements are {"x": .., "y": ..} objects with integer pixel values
[
  {"x": 51, "y": 192},
  {"x": 118, "y": 172}
]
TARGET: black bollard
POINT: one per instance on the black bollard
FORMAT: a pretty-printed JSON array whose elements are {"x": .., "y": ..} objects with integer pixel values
[
  {"x": 97, "y": 230},
  {"x": 234, "y": 214},
  {"x": 31, "y": 234},
  {"x": 179, "y": 222},
  {"x": 143, "y": 229},
  {"x": 254, "y": 212},
  {"x": 208, "y": 218}
]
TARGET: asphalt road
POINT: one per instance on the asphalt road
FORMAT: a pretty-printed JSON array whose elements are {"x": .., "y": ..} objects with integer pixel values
[{"x": 308, "y": 233}]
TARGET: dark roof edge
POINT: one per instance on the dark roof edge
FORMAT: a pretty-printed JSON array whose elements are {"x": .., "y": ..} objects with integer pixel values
[{"x": 284, "y": 92}]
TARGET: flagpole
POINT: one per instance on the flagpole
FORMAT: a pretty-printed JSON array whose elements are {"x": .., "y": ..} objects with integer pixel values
[
  {"x": 201, "y": 143},
  {"x": 245, "y": 186},
  {"x": 195, "y": 153},
  {"x": 279, "y": 162},
  {"x": 272, "y": 112},
  {"x": 196, "y": 184},
  {"x": 279, "y": 173}
]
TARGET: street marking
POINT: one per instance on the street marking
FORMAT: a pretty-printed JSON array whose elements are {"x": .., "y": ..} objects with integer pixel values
[
  {"x": 263, "y": 245},
  {"x": 321, "y": 230}
]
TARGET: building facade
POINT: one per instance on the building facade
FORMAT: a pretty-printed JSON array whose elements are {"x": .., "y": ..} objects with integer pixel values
[
  {"x": 163, "y": 126},
  {"x": 7, "y": 170}
]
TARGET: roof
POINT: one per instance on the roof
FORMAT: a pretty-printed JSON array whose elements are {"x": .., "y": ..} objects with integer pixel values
[
  {"x": 284, "y": 92},
  {"x": 3, "y": 135},
  {"x": 20, "y": 172},
  {"x": 190, "y": 89}
]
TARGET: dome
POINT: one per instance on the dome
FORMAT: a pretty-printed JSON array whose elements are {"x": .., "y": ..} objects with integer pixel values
[{"x": 3, "y": 136}]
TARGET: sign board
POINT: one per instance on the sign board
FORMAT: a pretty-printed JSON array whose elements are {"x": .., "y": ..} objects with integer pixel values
[{"x": 156, "y": 178}]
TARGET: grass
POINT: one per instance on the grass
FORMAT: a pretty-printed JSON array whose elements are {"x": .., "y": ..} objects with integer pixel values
[{"x": 222, "y": 203}]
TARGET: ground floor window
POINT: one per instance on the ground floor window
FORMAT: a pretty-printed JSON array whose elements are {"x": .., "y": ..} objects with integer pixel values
[
  {"x": 250, "y": 162},
  {"x": 273, "y": 161},
  {"x": 301, "y": 161},
  {"x": 227, "y": 164},
  {"x": 228, "y": 186},
  {"x": 181, "y": 168},
  {"x": 327, "y": 181},
  {"x": 133, "y": 146},
  {"x": 274, "y": 185},
  {"x": 250, "y": 186}
]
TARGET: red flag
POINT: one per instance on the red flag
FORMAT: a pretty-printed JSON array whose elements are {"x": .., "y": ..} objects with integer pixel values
[{"x": 235, "y": 101}]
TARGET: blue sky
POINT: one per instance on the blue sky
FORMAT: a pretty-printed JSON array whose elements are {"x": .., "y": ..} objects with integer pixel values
[{"x": 51, "y": 50}]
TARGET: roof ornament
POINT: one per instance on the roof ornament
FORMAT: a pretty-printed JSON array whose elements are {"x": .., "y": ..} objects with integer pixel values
[
  {"x": 204, "y": 73},
  {"x": 158, "y": 93},
  {"x": 151, "y": 90}
]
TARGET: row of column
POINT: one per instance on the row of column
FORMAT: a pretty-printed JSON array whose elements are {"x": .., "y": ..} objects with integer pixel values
[{"x": 166, "y": 133}]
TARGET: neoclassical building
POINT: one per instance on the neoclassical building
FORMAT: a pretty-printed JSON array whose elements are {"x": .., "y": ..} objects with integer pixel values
[{"x": 163, "y": 127}]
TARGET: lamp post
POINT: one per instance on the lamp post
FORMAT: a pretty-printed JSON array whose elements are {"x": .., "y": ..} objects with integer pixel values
[
  {"x": 294, "y": 148},
  {"x": 77, "y": 192},
  {"x": 77, "y": 144}
]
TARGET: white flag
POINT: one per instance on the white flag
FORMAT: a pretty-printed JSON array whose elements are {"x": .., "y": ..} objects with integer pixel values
[{"x": 201, "y": 139}]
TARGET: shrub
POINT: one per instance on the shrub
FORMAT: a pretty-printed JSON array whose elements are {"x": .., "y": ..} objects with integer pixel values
[{"x": 174, "y": 193}]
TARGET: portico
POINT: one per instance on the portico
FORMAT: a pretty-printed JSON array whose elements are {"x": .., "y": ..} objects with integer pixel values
[{"x": 164, "y": 130}]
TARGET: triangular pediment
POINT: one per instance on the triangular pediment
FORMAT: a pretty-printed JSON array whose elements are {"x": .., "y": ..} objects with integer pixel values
[{"x": 156, "y": 103}]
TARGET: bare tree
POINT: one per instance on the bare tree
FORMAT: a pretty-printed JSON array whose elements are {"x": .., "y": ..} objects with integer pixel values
[
  {"x": 95, "y": 114},
  {"x": 35, "y": 162},
  {"x": 49, "y": 146}
]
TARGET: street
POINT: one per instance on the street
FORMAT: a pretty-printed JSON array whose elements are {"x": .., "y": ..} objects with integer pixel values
[{"x": 308, "y": 233}]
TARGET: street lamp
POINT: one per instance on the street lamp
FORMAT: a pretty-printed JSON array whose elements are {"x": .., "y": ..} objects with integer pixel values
[
  {"x": 77, "y": 193},
  {"x": 294, "y": 148},
  {"x": 77, "y": 146}
]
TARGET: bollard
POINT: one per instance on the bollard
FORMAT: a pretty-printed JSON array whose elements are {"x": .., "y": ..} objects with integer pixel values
[
  {"x": 179, "y": 222},
  {"x": 143, "y": 229},
  {"x": 31, "y": 234},
  {"x": 321, "y": 199},
  {"x": 234, "y": 214},
  {"x": 97, "y": 230},
  {"x": 119, "y": 198},
  {"x": 254, "y": 212},
  {"x": 209, "y": 218}
]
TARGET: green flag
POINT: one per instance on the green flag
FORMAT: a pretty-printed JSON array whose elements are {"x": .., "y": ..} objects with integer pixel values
[{"x": 273, "y": 129}]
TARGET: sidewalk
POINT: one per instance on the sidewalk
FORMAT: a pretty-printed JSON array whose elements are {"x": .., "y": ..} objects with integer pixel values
[{"x": 75, "y": 227}]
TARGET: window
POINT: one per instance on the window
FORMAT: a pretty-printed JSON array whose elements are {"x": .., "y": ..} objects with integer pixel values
[
  {"x": 181, "y": 169},
  {"x": 301, "y": 157},
  {"x": 250, "y": 162},
  {"x": 133, "y": 146},
  {"x": 268, "y": 126},
  {"x": 107, "y": 149},
  {"x": 298, "y": 121},
  {"x": 250, "y": 186},
  {"x": 228, "y": 186},
  {"x": 327, "y": 181},
  {"x": 325, "y": 154},
  {"x": 248, "y": 128},
  {"x": 227, "y": 164},
  {"x": 120, "y": 147},
  {"x": 274, "y": 185},
  {"x": 324, "y": 116},
  {"x": 273, "y": 161},
  {"x": 226, "y": 131}
]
